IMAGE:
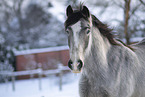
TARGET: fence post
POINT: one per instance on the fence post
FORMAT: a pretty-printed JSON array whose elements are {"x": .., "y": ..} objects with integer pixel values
[
  {"x": 40, "y": 76},
  {"x": 60, "y": 80},
  {"x": 13, "y": 81},
  {"x": 60, "y": 66}
]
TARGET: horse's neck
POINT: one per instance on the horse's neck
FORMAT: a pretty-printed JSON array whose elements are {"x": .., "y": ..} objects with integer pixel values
[
  {"x": 100, "y": 47},
  {"x": 96, "y": 60}
]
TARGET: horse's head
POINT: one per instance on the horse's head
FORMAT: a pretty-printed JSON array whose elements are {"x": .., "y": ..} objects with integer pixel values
[{"x": 78, "y": 27}]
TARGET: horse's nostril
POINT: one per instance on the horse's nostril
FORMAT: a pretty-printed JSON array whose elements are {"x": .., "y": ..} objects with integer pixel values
[
  {"x": 70, "y": 64},
  {"x": 80, "y": 64}
]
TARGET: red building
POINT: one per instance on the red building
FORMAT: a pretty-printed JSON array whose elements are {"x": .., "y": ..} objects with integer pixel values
[{"x": 46, "y": 58}]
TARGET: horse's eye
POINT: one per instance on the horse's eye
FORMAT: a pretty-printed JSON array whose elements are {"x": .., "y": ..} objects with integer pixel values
[{"x": 87, "y": 29}]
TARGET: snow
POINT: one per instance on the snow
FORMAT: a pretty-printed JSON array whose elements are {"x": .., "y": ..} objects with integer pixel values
[
  {"x": 50, "y": 87},
  {"x": 40, "y": 50}
]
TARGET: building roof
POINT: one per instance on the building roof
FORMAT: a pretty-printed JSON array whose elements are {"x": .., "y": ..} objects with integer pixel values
[{"x": 40, "y": 50}]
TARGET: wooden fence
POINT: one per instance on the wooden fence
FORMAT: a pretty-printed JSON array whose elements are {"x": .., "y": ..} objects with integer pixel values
[{"x": 38, "y": 72}]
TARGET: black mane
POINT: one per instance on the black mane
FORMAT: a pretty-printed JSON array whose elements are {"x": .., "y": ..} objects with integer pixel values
[{"x": 104, "y": 30}]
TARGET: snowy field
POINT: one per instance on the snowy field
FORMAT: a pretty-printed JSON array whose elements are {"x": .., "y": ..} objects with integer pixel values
[{"x": 50, "y": 87}]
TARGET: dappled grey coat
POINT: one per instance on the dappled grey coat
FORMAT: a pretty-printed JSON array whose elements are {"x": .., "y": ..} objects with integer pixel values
[{"x": 124, "y": 75}]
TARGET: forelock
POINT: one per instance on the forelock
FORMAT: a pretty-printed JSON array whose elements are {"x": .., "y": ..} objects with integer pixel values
[{"x": 74, "y": 18}]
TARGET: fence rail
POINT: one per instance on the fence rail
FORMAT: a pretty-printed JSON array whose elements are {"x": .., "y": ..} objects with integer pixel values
[{"x": 38, "y": 72}]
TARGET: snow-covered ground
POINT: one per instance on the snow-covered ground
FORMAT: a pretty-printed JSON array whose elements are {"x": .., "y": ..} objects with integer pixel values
[{"x": 50, "y": 87}]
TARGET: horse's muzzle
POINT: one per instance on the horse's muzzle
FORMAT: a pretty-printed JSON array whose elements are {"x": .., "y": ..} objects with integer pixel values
[{"x": 75, "y": 67}]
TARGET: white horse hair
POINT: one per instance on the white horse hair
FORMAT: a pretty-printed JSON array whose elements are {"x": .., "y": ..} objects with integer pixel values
[{"x": 108, "y": 67}]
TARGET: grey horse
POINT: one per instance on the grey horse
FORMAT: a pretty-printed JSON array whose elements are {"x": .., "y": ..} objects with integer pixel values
[{"x": 108, "y": 67}]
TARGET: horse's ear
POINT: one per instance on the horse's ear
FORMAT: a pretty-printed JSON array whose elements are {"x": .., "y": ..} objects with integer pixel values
[
  {"x": 85, "y": 11},
  {"x": 69, "y": 10}
]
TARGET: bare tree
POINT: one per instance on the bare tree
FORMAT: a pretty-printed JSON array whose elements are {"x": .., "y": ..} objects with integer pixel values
[
  {"x": 24, "y": 25},
  {"x": 133, "y": 16},
  {"x": 126, "y": 18}
]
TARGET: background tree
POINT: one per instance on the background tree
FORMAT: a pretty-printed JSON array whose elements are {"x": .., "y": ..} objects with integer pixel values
[
  {"x": 126, "y": 19},
  {"x": 131, "y": 18},
  {"x": 26, "y": 24}
]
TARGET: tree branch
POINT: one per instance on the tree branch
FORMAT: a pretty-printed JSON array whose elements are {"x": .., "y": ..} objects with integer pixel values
[
  {"x": 134, "y": 10},
  {"x": 142, "y": 2},
  {"x": 118, "y": 4}
]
